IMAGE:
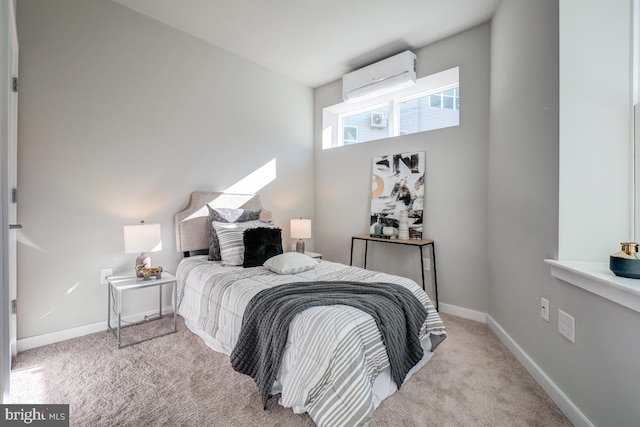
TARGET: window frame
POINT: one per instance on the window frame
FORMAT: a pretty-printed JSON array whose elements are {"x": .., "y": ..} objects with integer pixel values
[{"x": 333, "y": 116}]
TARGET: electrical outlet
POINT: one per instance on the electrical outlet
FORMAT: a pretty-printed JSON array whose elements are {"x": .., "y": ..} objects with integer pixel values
[
  {"x": 567, "y": 326},
  {"x": 544, "y": 309},
  {"x": 104, "y": 273},
  {"x": 427, "y": 264}
]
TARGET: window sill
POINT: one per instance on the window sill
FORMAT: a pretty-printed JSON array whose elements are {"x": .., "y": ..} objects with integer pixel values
[{"x": 596, "y": 277}]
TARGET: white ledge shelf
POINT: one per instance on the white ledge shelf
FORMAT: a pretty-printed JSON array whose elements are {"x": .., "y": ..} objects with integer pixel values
[{"x": 596, "y": 277}]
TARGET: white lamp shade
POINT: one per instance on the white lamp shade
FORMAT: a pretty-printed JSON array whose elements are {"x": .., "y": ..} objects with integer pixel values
[
  {"x": 300, "y": 228},
  {"x": 142, "y": 238}
]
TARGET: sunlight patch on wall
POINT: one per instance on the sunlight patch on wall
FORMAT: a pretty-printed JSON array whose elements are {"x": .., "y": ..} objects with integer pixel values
[
  {"x": 239, "y": 193},
  {"x": 45, "y": 315},
  {"x": 73, "y": 288},
  {"x": 23, "y": 239},
  {"x": 256, "y": 180},
  {"x": 221, "y": 201}
]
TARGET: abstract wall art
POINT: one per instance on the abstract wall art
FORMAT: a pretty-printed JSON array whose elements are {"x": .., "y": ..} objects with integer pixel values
[{"x": 398, "y": 185}]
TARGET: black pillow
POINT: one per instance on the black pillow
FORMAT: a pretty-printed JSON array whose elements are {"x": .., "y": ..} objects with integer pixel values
[{"x": 260, "y": 244}]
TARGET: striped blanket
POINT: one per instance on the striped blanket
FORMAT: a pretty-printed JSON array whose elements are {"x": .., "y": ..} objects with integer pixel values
[
  {"x": 333, "y": 354},
  {"x": 265, "y": 325}
]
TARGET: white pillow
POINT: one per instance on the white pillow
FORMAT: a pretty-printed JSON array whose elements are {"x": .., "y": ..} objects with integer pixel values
[
  {"x": 230, "y": 236},
  {"x": 290, "y": 263}
]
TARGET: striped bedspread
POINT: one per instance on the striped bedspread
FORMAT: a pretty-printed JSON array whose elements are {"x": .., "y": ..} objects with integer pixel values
[{"x": 333, "y": 353}]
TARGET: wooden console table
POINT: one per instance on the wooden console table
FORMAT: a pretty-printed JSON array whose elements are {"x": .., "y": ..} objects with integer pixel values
[{"x": 411, "y": 242}]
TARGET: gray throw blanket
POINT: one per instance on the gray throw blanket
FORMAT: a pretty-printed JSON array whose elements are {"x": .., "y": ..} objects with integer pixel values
[{"x": 265, "y": 325}]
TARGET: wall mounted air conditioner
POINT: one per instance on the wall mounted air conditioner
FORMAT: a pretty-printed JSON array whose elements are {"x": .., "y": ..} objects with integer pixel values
[
  {"x": 393, "y": 73},
  {"x": 379, "y": 119}
]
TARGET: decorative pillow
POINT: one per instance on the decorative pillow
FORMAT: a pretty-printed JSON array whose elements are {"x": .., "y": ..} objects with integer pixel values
[
  {"x": 260, "y": 244},
  {"x": 225, "y": 215},
  {"x": 290, "y": 263},
  {"x": 230, "y": 237}
]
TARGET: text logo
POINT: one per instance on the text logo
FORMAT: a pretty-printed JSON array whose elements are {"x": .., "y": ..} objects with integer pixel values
[{"x": 35, "y": 415}]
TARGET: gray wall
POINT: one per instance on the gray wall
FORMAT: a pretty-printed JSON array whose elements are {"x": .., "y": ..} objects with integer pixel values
[
  {"x": 599, "y": 373},
  {"x": 120, "y": 118},
  {"x": 456, "y": 181}
]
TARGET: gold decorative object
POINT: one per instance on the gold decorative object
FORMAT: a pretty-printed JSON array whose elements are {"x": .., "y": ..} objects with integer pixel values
[
  {"x": 147, "y": 272},
  {"x": 627, "y": 250}
]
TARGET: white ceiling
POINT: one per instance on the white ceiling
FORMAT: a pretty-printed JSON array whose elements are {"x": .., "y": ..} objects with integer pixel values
[{"x": 317, "y": 41}]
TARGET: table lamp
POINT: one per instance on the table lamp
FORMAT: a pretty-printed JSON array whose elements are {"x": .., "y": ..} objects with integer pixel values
[
  {"x": 142, "y": 238},
  {"x": 300, "y": 229}
]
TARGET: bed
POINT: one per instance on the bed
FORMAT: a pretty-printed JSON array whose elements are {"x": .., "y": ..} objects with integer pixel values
[{"x": 334, "y": 365}]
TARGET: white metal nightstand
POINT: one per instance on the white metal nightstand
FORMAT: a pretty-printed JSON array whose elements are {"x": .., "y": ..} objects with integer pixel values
[
  {"x": 313, "y": 254},
  {"x": 120, "y": 284}
]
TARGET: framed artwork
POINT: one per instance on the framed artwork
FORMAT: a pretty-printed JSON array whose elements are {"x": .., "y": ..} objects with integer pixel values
[{"x": 397, "y": 186}]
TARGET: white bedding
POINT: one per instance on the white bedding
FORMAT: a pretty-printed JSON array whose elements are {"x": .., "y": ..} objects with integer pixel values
[{"x": 335, "y": 365}]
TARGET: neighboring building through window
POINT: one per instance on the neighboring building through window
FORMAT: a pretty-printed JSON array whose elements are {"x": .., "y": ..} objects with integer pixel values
[
  {"x": 350, "y": 135},
  {"x": 370, "y": 124},
  {"x": 433, "y": 103}
]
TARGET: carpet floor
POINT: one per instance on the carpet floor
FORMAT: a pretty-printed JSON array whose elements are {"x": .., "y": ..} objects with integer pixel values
[{"x": 176, "y": 380}]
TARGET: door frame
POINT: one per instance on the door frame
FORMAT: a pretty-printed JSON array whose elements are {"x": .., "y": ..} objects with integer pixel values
[
  {"x": 12, "y": 180},
  {"x": 8, "y": 131}
]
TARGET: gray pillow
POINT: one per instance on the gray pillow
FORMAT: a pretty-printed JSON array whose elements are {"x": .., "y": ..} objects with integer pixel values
[{"x": 228, "y": 215}]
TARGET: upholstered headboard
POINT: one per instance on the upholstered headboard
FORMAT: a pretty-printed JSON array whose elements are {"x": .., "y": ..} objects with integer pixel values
[{"x": 192, "y": 223}]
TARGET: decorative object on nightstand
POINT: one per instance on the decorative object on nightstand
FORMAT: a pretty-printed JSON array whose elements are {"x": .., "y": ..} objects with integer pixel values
[
  {"x": 388, "y": 231},
  {"x": 403, "y": 227},
  {"x": 147, "y": 272},
  {"x": 626, "y": 263},
  {"x": 377, "y": 228},
  {"x": 143, "y": 238},
  {"x": 300, "y": 229}
]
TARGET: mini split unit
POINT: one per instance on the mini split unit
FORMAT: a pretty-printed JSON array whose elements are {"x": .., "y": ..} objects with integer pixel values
[{"x": 393, "y": 73}]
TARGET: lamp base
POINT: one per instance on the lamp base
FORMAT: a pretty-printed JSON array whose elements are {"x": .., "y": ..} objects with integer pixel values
[
  {"x": 142, "y": 260},
  {"x": 300, "y": 246}
]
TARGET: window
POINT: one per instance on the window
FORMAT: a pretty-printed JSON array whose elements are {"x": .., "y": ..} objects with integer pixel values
[
  {"x": 350, "y": 135},
  {"x": 428, "y": 112},
  {"x": 433, "y": 103},
  {"x": 370, "y": 124}
]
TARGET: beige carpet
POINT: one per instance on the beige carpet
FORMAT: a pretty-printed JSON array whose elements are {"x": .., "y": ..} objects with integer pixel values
[{"x": 472, "y": 380}]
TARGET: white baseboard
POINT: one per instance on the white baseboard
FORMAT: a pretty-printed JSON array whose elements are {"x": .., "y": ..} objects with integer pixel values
[
  {"x": 555, "y": 393},
  {"x": 463, "y": 312},
  {"x": 66, "y": 334}
]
